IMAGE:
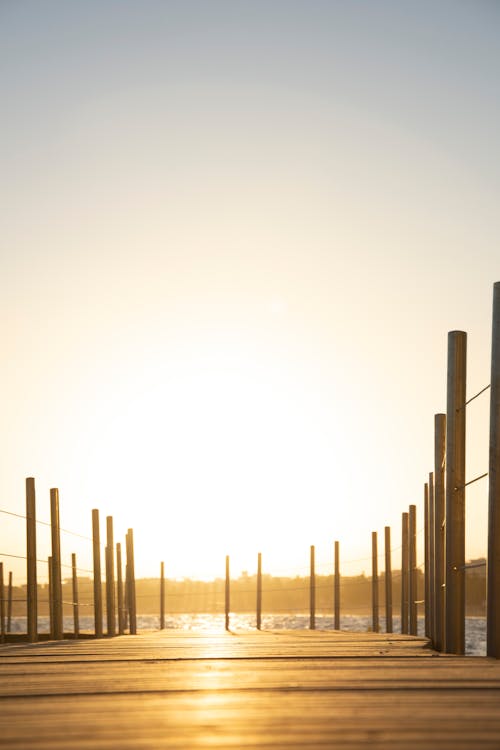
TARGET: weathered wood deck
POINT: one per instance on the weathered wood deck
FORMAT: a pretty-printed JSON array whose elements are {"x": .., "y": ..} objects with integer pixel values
[{"x": 278, "y": 689}]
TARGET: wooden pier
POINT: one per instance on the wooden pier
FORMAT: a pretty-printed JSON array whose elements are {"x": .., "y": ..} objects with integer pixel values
[{"x": 260, "y": 689}]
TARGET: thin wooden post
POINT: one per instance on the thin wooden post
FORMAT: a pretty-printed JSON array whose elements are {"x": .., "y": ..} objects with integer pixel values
[
  {"x": 110, "y": 577},
  {"x": 493, "y": 595},
  {"x": 427, "y": 581},
  {"x": 227, "y": 597},
  {"x": 404, "y": 573},
  {"x": 2, "y": 606},
  {"x": 432, "y": 562},
  {"x": 259, "y": 591},
  {"x": 56, "y": 565},
  {"x": 131, "y": 583},
  {"x": 96, "y": 540},
  {"x": 388, "y": 580},
  {"x": 455, "y": 493},
  {"x": 9, "y": 604},
  {"x": 31, "y": 588},
  {"x": 312, "y": 590},
  {"x": 76, "y": 608},
  {"x": 375, "y": 622},
  {"x": 119, "y": 587},
  {"x": 439, "y": 529},
  {"x": 412, "y": 588},
  {"x": 51, "y": 599},
  {"x": 336, "y": 587},
  {"x": 162, "y": 596}
]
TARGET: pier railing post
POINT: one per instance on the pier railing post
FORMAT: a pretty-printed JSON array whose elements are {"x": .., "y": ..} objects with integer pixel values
[
  {"x": 388, "y": 580},
  {"x": 2, "y": 606},
  {"x": 412, "y": 588},
  {"x": 131, "y": 583},
  {"x": 119, "y": 587},
  {"x": 432, "y": 562},
  {"x": 259, "y": 591},
  {"x": 404, "y": 573},
  {"x": 76, "y": 611},
  {"x": 31, "y": 588},
  {"x": 96, "y": 544},
  {"x": 162, "y": 596},
  {"x": 110, "y": 577},
  {"x": 50, "y": 595},
  {"x": 227, "y": 595},
  {"x": 493, "y": 606},
  {"x": 9, "y": 604},
  {"x": 56, "y": 565},
  {"x": 336, "y": 587},
  {"x": 455, "y": 493},
  {"x": 312, "y": 590},
  {"x": 427, "y": 581},
  {"x": 439, "y": 530},
  {"x": 375, "y": 620}
]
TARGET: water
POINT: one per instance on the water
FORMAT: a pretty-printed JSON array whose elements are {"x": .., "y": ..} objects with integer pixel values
[{"x": 475, "y": 627}]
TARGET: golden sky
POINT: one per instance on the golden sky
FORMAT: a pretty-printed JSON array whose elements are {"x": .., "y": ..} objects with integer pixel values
[{"x": 234, "y": 238}]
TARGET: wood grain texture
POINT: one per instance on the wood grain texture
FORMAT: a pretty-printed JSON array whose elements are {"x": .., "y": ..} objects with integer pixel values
[{"x": 270, "y": 689}]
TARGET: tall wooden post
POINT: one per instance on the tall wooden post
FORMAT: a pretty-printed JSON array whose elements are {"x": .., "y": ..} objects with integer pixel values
[
  {"x": 132, "y": 608},
  {"x": 336, "y": 587},
  {"x": 404, "y": 573},
  {"x": 227, "y": 597},
  {"x": 96, "y": 540},
  {"x": 76, "y": 609},
  {"x": 427, "y": 580},
  {"x": 9, "y": 604},
  {"x": 412, "y": 589},
  {"x": 439, "y": 529},
  {"x": 375, "y": 622},
  {"x": 162, "y": 596},
  {"x": 493, "y": 611},
  {"x": 110, "y": 577},
  {"x": 2, "y": 606},
  {"x": 32, "y": 604},
  {"x": 432, "y": 560},
  {"x": 312, "y": 590},
  {"x": 50, "y": 599},
  {"x": 119, "y": 586},
  {"x": 56, "y": 565},
  {"x": 455, "y": 493},
  {"x": 388, "y": 580},
  {"x": 259, "y": 591}
]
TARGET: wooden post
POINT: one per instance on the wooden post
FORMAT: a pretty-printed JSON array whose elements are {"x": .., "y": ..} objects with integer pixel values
[
  {"x": 336, "y": 587},
  {"x": 31, "y": 588},
  {"x": 76, "y": 609},
  {"x": 96, "y": 539},
  {"x": 439, "y": 529},
  {"x": 412, "y": 588},
  {"x": 2, "y": 606},
  {"x": 493, "y": 596},
  {"x": 432, "y": 566},
  {"x": 312, "y": 591},
  {"x": 259, "y": 591},
  {"x": 375, "y": 623},
  {"x": 119, "y": 586},
  {"x": 110, "y": 577},
  {"x": 9, "y": 604},
  {"x": 404, "y": 573},
  {"x": 56, "y": 565},
  {"x": 388, "y": 580},
  {"x": 455, "y": 493},
  {"x": 162, "y": 596},
  {"x": 426, "y": 560},
  {"x": 131, "y": 583},
  {"x": 51, "y": 599},
  {"x": 227, "y": 602}
]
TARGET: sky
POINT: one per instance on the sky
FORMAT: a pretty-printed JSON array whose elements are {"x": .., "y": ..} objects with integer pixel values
[{"x": 233, "y": 239}]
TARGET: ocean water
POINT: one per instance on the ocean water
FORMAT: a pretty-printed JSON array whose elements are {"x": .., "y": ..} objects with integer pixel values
[{"x": 475, "y": 627}]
